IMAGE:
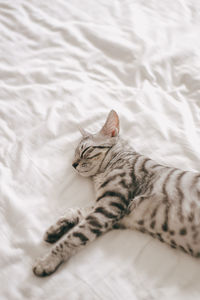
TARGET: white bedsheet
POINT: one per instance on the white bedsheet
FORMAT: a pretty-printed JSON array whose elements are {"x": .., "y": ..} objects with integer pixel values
[{"x": 65, "y": 63}]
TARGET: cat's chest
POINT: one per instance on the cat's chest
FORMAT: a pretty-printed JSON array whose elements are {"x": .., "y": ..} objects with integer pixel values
[
  {"x": 117, "y": 180},
  {"x": 105, "y": 180},
  {"x": 98, "y": 181}
]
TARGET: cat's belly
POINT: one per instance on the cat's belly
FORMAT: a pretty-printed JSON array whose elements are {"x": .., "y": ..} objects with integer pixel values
[{"x": 178, "y": 227}]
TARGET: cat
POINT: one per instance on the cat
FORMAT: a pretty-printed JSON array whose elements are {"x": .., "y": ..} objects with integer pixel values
[{"x": 132, "y": 191}]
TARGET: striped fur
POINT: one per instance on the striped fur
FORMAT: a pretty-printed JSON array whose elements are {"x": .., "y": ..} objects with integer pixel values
[{"x": 132, "y": 191}]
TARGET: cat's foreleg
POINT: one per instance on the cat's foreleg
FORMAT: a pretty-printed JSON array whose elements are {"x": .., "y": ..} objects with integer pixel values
[
  {"x": 96, "y": 223},
  {"x": 71, "y": 218}
]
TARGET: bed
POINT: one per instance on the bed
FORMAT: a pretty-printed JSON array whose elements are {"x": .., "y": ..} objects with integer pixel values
[{"x": 65, "y": 64}]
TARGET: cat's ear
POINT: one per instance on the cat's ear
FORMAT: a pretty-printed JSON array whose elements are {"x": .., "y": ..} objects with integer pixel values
[
  {"x": 83, "y": 132},
  {"x": 111, "y": 126}
]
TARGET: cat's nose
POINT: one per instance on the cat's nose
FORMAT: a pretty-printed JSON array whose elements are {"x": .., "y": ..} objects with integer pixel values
[{"x": 75, "y": 165}]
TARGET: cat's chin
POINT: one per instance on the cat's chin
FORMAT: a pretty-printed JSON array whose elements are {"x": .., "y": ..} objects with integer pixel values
[{"x": 85, "y": 174}]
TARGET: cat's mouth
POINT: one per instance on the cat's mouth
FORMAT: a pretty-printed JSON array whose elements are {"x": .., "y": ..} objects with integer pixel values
[{"x": 86, "y": 171}]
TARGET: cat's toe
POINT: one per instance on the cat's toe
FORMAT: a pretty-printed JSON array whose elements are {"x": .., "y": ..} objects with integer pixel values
[
  {"x": 55, "y": 232},
  {"x": 45, "y": 267},
  {"x": 39, "y": 270},
  {"x": 50, "y": 237}
]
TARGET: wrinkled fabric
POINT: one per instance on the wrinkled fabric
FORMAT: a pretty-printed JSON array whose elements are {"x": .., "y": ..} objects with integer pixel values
[{"x": 68, "y": 63}]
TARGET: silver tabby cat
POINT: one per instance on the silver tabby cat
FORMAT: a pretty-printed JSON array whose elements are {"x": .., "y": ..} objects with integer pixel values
[{"x": 132, "y": 191}]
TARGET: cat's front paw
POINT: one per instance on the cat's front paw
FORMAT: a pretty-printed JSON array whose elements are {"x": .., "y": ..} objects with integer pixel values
[
  {"x": 62, "y": 226},
  {"x": 46, "y": 266}
]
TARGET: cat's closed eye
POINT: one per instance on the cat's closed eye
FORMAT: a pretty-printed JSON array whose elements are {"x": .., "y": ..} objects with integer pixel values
[
  {"x": 91, "y": 156},
  {"x": 86, "y": 151}
]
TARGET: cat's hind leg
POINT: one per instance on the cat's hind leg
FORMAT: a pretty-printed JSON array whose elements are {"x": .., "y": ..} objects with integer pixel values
[{"x": 71, "y": 218}]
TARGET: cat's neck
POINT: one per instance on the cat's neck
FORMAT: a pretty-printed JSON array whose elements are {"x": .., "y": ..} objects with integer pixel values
[{"x": 116, "y": 152}]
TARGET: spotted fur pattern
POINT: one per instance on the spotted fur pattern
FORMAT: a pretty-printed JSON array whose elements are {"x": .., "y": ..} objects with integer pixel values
[{"x": 132, "y": 191}]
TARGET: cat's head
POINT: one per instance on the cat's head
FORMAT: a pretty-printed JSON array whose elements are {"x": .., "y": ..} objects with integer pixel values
[{"x": 93, "y": 148}]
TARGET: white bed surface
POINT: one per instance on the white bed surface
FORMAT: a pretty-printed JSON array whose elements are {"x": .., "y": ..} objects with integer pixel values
[{"x": 65, "y": 63}]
